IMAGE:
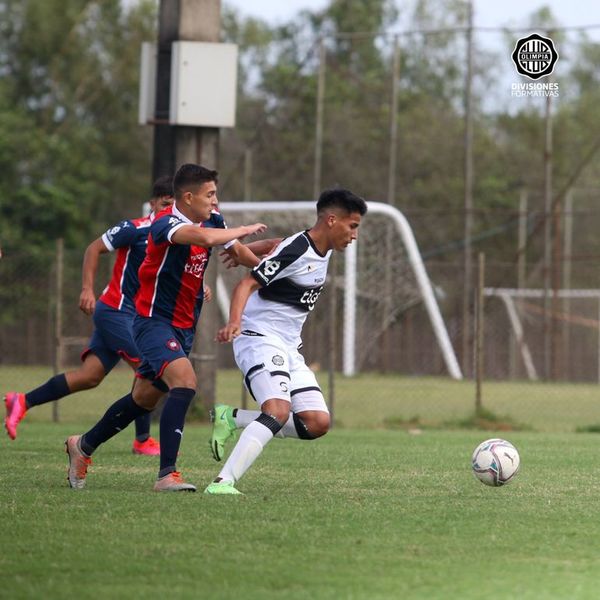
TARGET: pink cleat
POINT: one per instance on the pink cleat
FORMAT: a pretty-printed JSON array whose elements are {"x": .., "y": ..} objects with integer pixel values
[
  {"x": 15, "y": 411},
  {"x": 150, "y": 447}
]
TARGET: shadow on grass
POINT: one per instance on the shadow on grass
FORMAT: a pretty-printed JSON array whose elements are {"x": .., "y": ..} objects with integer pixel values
[
  {"x": 595, "y": 428},
  {"x": 483, "y": 420}
]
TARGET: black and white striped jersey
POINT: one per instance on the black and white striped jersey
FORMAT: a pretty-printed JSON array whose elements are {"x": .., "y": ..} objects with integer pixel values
[{"x": 292, "y": 278}]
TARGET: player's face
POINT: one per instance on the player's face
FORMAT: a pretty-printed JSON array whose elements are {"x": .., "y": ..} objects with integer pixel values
[
  {"x": 161, "y": 203},
  {"x": 343, "y": 229},
  {"x": 203, "y": 201}
]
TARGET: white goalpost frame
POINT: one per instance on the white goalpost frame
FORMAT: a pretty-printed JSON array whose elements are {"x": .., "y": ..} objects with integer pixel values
[
  {"x": 507, "y": 295},
  {"x": 350, "y": 279}
]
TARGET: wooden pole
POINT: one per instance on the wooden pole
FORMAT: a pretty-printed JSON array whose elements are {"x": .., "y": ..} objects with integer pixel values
[{"x": 58, "y": 317}]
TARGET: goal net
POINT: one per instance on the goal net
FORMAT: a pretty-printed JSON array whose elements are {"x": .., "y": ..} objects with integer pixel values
[
  {"x": 552, "y": 335},
  {"x": 374, "y": 288}
]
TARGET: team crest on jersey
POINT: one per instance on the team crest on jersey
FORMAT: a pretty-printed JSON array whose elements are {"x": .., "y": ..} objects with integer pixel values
[
  {"x": 277, "y": 360},
  {"x": 173, "y": 344}
]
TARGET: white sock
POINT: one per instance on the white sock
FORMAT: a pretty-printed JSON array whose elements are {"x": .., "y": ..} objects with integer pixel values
[
  {"x": 289, "y": 429},
  {"x": 243, "y": 418},
  {"x": 248, "y": 448}
]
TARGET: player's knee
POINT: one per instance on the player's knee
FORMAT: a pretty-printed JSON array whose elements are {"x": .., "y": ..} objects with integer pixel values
[
  {"x": 318, "y": 425},
  {"x": 278, "y": 409},
  {"x": 94, "y": 380},
  {"x": 186, "y": 382},
  {"x": 86, "y": 380}
]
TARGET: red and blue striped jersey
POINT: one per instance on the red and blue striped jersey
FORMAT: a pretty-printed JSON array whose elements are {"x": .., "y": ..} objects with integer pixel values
[
  {"x": 129, "y": 239},
  {"x": 172, "y": 275}
]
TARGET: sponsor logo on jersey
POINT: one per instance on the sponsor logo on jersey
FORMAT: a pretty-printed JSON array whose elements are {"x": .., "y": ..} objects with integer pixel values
[
  {"x": 196, "y": 264},
  {"x": 310, "y": 297},
  {"x": 277, "y": 360},
  {"x": 173, "y": 344}
]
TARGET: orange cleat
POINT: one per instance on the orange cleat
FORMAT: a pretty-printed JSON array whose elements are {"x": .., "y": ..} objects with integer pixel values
[
  {"x": 150, "y": 447},
  {"x": 173, "y": 482},
  {"x": 15, "y": 411},
  {"x": 78, "y": 463}
]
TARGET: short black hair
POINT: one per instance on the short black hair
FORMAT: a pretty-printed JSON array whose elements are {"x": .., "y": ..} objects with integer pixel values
[
  {"x": 191, "y": 175},
  {"x": 341, "y": 198},
  {"x": 163, "y": 186}
]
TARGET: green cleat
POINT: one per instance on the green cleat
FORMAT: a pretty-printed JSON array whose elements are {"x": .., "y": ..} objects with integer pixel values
[
  {"x": 222, "y": 488},
  {"x": 223, "y": 428}
]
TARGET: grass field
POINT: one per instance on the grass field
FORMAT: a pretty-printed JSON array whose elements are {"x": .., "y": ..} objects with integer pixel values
[
  {"x": 365, "y": 401},
  {"x": 370, "y": 514},
  {"x": 364, "y": 513}
]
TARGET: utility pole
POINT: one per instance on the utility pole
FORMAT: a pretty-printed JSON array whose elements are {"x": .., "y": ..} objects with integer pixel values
[
  {"x": 319, "y": 119},
  {"x": 174, "y": 145},
  {"x": 468, "y": 199},
  {"x": 548, "y": 255}
]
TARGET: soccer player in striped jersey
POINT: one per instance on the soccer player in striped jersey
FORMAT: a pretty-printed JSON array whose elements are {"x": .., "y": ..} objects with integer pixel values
[
  {"x": 168, "y": 305},
  {"x": 113, "y": 315},
  {"x": 268, "y": 309}
]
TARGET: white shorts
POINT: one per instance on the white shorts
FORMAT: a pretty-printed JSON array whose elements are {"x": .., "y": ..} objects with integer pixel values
[{"x": 273, "y": 370}]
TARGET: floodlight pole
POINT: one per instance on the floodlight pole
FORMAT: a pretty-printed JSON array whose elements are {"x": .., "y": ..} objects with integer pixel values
[{"x": 198, "y": 21}]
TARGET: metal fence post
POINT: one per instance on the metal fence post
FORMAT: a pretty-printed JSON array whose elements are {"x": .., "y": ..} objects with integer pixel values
[{"x": 479, "y": 334}]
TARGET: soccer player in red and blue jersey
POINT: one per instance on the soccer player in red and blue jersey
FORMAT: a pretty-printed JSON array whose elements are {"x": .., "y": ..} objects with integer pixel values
[
  {"x": 168, "y": 304},
  {"x": 113, "y": 314}
]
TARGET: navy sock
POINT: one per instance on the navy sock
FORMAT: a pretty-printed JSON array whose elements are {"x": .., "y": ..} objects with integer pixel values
[
  {"x": 115, "y": 419},
  {"x": 171, "y": 427},
  {"x": 54, "y": 389},
  {"x": 142, "y": 427}
]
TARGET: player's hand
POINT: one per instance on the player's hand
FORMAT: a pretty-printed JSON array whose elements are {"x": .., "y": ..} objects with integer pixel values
[
  {"x": 208, "y": 295},
  {"x": 87, "y": 301},
  {"x": 228, "y": 333},
  {"x": 253, "y": 229},
  {"x": 228, "y": 260}
]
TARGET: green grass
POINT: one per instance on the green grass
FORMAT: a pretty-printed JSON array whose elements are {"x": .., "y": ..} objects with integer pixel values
[
  {"x": 366, "y": 401},
  {"x": 360, "y": 514}
]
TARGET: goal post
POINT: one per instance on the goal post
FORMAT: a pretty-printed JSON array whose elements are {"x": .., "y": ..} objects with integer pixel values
[{"x": 424, "y": 289}]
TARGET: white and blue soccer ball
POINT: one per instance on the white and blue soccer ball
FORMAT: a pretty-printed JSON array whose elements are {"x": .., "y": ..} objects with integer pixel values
[{"x": 495, "y": 462}]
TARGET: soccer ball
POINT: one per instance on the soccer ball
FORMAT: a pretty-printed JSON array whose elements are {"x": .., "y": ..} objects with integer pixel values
[{"x": 495, "y": 462}]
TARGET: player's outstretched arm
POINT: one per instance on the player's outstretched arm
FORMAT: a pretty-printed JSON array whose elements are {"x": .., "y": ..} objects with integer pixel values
[
  {"x": 208, "y": 236},
  {"x": 241, "y": 293},
  {"x": 87, "y": 298},
  {"x": 248, "y": 255}
]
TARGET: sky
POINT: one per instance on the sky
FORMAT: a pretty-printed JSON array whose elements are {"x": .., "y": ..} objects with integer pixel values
[{"x": 488, "y": 13}]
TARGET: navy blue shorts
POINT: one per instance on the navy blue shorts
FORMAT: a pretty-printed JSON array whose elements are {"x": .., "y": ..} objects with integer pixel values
[
  {"x": 112, "y": 339},
  {"x": 160, "y": 344}
]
